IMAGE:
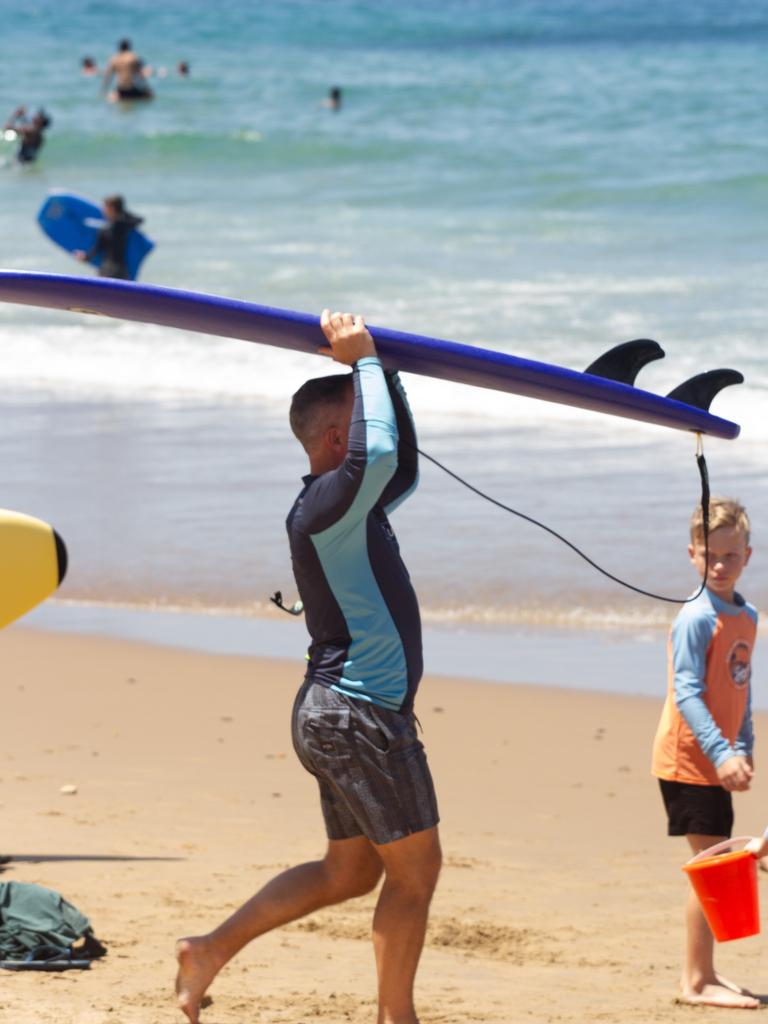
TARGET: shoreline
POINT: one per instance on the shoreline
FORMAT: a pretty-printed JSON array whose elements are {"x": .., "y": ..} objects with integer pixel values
[
  {"x": 617, "y": 660},
  {"x": 561, "y": 898},
  {"x": 573, "y": 657}
]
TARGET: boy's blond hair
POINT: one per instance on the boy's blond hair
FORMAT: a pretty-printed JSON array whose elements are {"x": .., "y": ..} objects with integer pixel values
[{"x": 722, "y": 512}]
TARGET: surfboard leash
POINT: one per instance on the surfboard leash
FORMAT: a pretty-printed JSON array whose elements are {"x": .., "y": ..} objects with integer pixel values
[
  {"x": 703, "y": 475},
  {"x": 297, "y": 607}
]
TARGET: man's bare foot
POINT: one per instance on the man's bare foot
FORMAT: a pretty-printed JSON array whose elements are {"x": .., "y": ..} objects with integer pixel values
[
  {"x": 197, "y": 969},
  {"x": 719, "y": 995}
]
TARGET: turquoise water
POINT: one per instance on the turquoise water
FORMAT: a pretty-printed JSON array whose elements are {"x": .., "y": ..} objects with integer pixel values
[{"x": 548, "y": 178}]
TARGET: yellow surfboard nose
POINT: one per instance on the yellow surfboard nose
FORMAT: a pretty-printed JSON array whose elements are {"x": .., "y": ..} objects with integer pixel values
[{"x": 33, "y": 562}]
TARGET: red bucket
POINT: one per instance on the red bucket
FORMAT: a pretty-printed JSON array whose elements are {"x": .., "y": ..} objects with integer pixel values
[{"x": 726, "y": 885}]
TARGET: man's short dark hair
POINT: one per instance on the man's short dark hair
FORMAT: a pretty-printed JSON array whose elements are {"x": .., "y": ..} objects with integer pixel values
[
  {"x": 312, "y": 404},
  {"x": 124, "y": 44}
]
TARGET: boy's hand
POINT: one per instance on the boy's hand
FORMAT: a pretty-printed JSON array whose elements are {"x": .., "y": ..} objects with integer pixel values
[
  {"x": 735, "y": 774},
  {"x": 348, "y": 337}
]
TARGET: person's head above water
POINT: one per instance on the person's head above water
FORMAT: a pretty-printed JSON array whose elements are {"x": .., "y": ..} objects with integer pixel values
[
  {"x": 124, "y": 45},
  {"x": 320, "y": 415}
]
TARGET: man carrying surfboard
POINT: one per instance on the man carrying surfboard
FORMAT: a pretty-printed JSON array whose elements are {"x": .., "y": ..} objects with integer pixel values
[{"x": 353, "y": 723}]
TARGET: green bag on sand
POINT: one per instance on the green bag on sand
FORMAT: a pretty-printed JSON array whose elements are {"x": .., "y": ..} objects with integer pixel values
[{"x": 32, "y": 916}]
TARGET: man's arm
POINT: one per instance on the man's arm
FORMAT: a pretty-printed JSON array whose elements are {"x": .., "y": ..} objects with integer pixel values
[
  {"x": 341, "y": 498},
  {"x": 98, "y": 246},
  {"x": 109, "y": 71},
  {"x": 405, "y": 480}
]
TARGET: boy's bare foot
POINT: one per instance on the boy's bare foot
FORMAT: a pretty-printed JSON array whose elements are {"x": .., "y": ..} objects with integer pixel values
[
  {"x": 719, "y": 995},
  {"x": 197, "y": 969}
]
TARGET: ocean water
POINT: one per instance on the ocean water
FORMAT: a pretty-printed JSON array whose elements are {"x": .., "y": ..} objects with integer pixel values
[{"x": 549, "y": 178}]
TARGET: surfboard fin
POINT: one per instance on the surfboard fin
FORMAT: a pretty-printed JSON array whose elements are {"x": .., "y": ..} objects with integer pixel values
[
  {"x": 699, "y": 391},
  {"x": 623, "y": 362}
]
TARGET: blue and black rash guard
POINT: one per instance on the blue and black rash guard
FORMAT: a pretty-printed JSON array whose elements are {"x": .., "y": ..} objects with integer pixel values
[{"x": 361, "y": 609}]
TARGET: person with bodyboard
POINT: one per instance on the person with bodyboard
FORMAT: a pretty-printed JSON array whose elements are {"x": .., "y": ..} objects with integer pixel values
[{"x": 112, "y": 239}]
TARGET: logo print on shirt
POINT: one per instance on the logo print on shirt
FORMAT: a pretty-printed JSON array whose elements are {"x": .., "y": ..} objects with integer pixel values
[{"x": 739, "y": 665}]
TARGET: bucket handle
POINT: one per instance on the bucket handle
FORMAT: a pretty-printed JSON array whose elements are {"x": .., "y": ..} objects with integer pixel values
[{"x": 718, "y": 848}]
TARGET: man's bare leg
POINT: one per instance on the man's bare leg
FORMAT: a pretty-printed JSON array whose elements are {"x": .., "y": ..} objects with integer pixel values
[
  {"x": 700, "y": 982},
  {"x": 351, "y": 867},
  {"x": 411, "y": 868}
]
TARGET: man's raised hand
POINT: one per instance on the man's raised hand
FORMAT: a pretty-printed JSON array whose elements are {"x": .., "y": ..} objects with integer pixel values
[{"x": 348, "y": 337}]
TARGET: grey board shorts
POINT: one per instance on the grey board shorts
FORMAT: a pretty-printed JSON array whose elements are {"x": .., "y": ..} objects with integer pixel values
[{"x": 369, "y": 763}]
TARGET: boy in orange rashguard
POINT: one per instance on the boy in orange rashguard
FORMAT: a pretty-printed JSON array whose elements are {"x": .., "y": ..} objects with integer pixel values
[{"x": 703, "y": 747}]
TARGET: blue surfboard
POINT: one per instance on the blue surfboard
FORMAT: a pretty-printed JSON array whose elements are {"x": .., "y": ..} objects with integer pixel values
[
  {"x": 73, "y": 224},
  {"x": 603, "y": 389}
]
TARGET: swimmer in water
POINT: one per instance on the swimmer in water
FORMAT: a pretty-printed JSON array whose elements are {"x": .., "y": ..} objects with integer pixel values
[
  {"x": 88, "y": 67},
  {"x": 127, "y": 69},
  {"x": 182, "y": 70},
  {"x": 28, "y": 132},
  {"x": 333, "y": 99}
]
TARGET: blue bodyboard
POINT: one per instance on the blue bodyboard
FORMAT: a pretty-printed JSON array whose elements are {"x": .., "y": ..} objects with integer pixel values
[{"x": 73, "y": 223}]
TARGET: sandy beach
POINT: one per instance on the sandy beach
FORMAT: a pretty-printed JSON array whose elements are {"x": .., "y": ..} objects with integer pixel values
[
  {"x": 544, "y": 180},
  {"x": 560, "y": 899}
]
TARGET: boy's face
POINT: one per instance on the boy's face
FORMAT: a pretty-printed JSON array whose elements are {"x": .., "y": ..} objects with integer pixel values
[{"x": 728, "y": 555}]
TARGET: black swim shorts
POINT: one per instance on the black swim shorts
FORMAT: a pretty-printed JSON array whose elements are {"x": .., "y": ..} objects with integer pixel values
[
  {"x": 133, "y": 92},
  {"x": 369, "y": 763},
  {"x": 697, "y": 810}
]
